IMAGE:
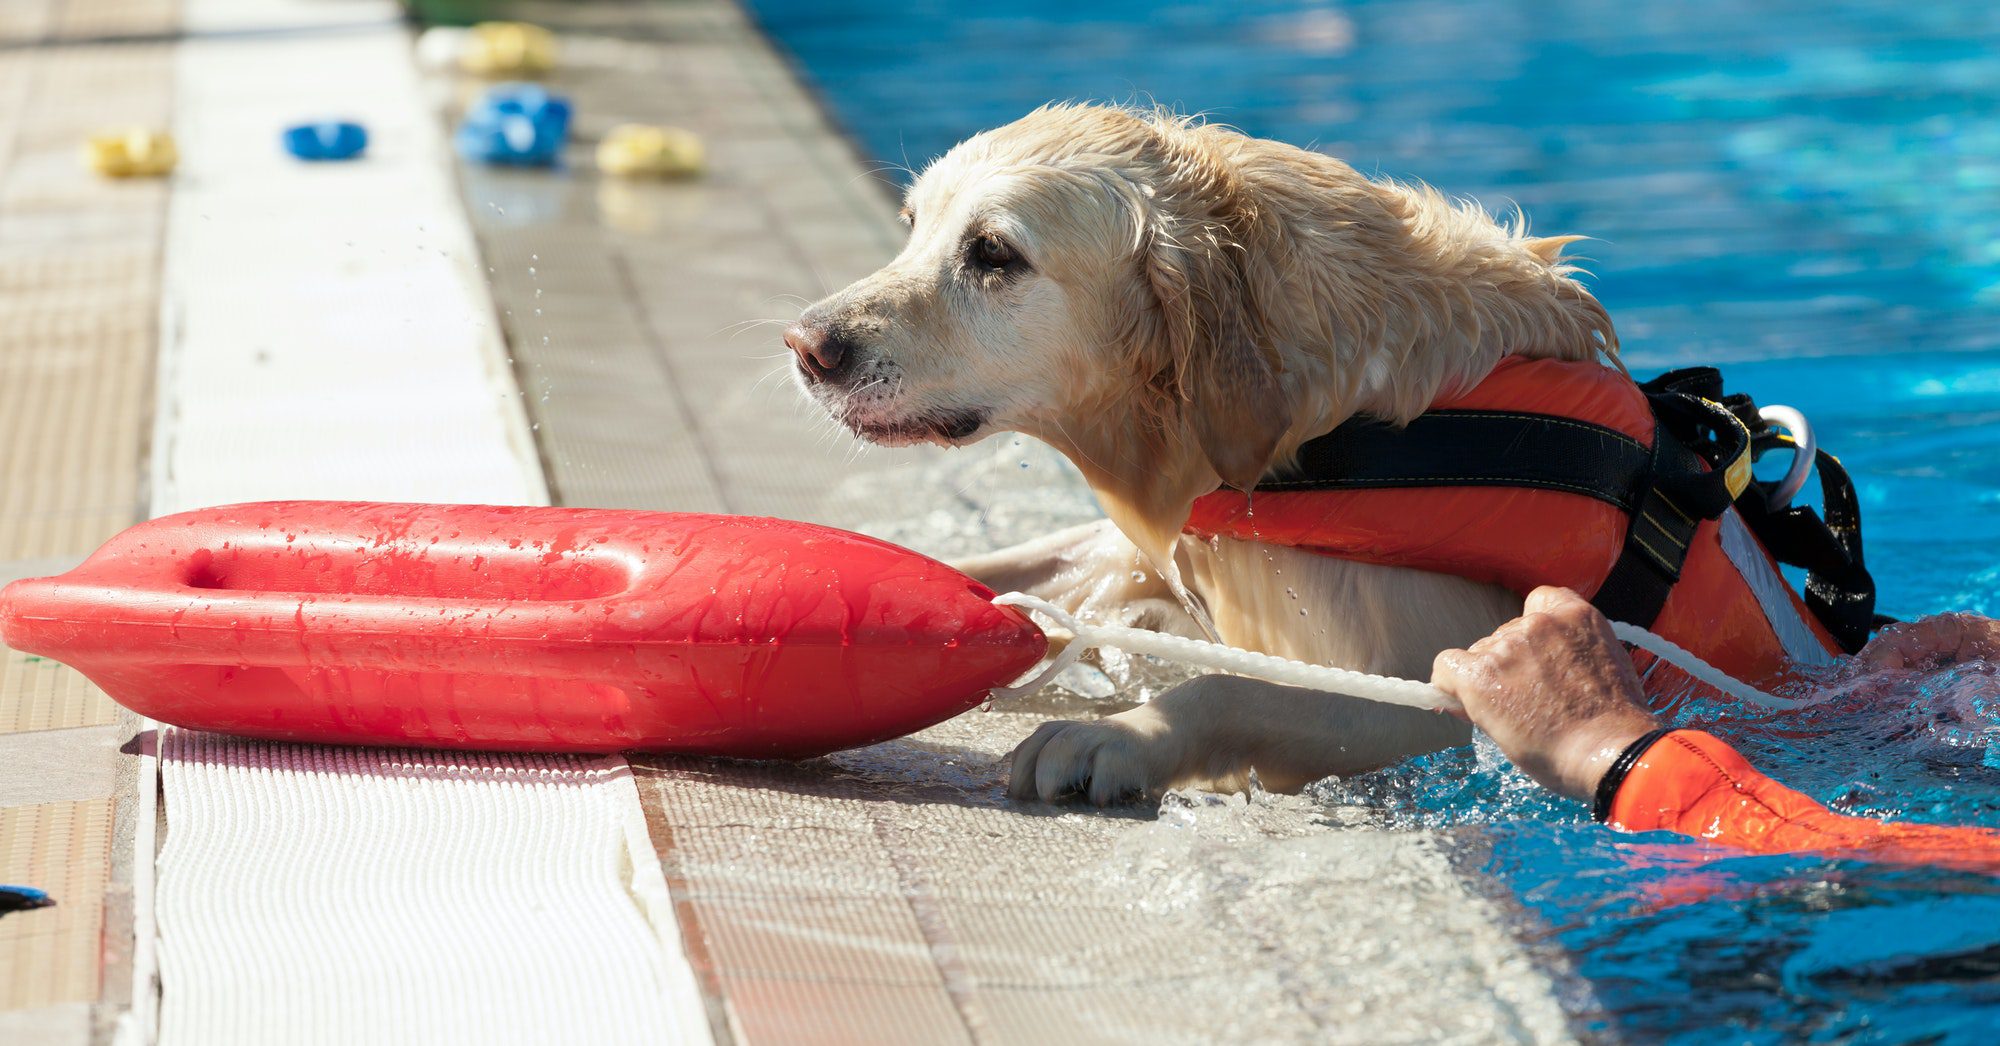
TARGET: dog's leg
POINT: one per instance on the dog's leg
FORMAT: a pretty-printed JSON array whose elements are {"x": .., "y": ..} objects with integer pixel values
[
  {"x": 1213, "y": 731},
  {"x": 1092, "y": 571}
]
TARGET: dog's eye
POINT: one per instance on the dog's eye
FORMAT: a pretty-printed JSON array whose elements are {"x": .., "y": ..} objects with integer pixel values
[{"x": 994, "y": 252}]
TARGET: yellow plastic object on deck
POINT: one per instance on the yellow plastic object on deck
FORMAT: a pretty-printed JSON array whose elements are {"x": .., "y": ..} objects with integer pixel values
[
  {"x": 508, "y": 49},
  {"x": 133, "y": 152},
  {"x": 643, "y": 150}
]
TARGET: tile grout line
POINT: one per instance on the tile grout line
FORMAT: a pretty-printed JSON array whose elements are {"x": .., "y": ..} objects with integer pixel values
[
  {"x": 140, "y": 1025},
  {"x": 657, "y": 351}
]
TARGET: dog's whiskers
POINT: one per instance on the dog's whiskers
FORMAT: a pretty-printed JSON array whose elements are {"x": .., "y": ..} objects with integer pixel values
[
  {"x": 772, "y": 373},
  {"x": 733, "y": 330}
]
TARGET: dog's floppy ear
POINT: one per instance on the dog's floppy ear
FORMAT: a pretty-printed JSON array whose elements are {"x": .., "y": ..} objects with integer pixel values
[{"x": 1220, "y": 364}]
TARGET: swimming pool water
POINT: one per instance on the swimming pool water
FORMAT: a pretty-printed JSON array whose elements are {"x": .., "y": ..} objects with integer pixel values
[{"x": 1808, "y": 193}]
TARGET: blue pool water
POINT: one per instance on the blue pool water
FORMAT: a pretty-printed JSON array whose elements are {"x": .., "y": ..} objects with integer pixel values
[{"x": 1806, "y": 192}]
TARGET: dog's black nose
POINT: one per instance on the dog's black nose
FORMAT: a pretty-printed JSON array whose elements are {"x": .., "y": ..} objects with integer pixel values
[{"x": 823, "y": 352}]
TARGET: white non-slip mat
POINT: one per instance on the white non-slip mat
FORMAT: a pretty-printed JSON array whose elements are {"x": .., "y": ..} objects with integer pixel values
[
  {"x": 348, "y": 895},
  {"x": 327, "y": 333}
]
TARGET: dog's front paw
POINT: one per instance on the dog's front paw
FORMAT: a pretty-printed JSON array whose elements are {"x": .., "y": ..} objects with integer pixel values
[{"x": 1129, "y": 756}]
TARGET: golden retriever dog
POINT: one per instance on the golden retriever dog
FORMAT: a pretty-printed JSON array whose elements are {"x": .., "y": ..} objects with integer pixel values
[{"x": 1175, "y": 306}]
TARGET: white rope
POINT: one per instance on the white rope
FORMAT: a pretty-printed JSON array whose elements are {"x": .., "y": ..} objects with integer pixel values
[
  {"x": 1702, "y": 672},
  {"x": 1215, "y": 655},
  {"x": 1386, "y": 689}
]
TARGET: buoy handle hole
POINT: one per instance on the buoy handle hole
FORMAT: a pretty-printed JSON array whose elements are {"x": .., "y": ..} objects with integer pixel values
[{"x": 439, "y": 572}]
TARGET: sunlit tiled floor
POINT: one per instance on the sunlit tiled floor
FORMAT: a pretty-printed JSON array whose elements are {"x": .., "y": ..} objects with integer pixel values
[{"x": 79, "y": 308}]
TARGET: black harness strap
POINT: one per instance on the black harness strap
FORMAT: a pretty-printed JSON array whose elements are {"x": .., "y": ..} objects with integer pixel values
[
  {"x": 1472, "y": 448},
  {"x": 1682, "y": 488},
  {"x": 1839, "y": 590},
  {"x": 1656, "y": 545}
]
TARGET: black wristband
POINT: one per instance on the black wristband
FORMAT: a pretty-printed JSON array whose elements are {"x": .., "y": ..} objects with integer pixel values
[{"x": 1607, "y": 786}]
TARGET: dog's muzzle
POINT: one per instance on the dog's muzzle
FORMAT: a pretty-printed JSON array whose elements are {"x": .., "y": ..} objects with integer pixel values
[{"x": 824, "y": 353}]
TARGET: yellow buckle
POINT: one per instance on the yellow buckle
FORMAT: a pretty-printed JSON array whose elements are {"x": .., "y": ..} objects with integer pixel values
[{"x": 1736, "y": 473}]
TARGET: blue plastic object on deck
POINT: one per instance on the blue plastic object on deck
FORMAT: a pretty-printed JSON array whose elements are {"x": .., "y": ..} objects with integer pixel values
[
  {"x": 22, "y": 898},
  {"x": 517, "y": 124},
  {"x": 326, "y": 140}
]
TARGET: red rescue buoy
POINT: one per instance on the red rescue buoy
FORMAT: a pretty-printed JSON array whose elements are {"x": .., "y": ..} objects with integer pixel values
[{"x": 542, "y": 629}]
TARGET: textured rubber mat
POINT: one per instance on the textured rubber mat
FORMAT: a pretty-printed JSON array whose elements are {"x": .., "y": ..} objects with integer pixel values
[
  {"x": 285, "y": 918},
  {"x": 50, "y": 955},
  {"x": 315, "y": 894}
]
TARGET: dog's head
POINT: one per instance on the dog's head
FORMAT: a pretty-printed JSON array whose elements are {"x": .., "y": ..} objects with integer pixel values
[{"x": 1172, "y": 304}]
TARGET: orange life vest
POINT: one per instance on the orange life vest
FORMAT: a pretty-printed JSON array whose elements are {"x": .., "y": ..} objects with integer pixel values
[{"x": 1728, "y": 604}]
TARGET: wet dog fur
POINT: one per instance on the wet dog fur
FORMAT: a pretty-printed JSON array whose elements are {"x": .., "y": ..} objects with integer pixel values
[{"x": 1174, "y": 305}]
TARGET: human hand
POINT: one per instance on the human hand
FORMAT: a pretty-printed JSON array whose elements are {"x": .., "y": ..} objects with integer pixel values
[
  {"x": 1554, "y": 688},
  {"x": 1934, "y": 641}
]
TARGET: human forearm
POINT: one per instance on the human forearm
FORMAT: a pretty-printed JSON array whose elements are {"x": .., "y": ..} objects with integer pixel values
[{"x": 1693, "y": 783}]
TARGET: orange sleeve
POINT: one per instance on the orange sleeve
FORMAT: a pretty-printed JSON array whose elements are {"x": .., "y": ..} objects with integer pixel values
[{"x": 1692, "y": 783}]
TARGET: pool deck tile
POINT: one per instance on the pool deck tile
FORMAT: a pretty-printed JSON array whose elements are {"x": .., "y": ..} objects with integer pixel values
[
  {"x": 51, "y": 954},
  {"x": 79, "y": 311}
]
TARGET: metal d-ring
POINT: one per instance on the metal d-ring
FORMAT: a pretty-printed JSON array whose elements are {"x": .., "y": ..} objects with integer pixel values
[{"x": 1805, "y": 447}]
